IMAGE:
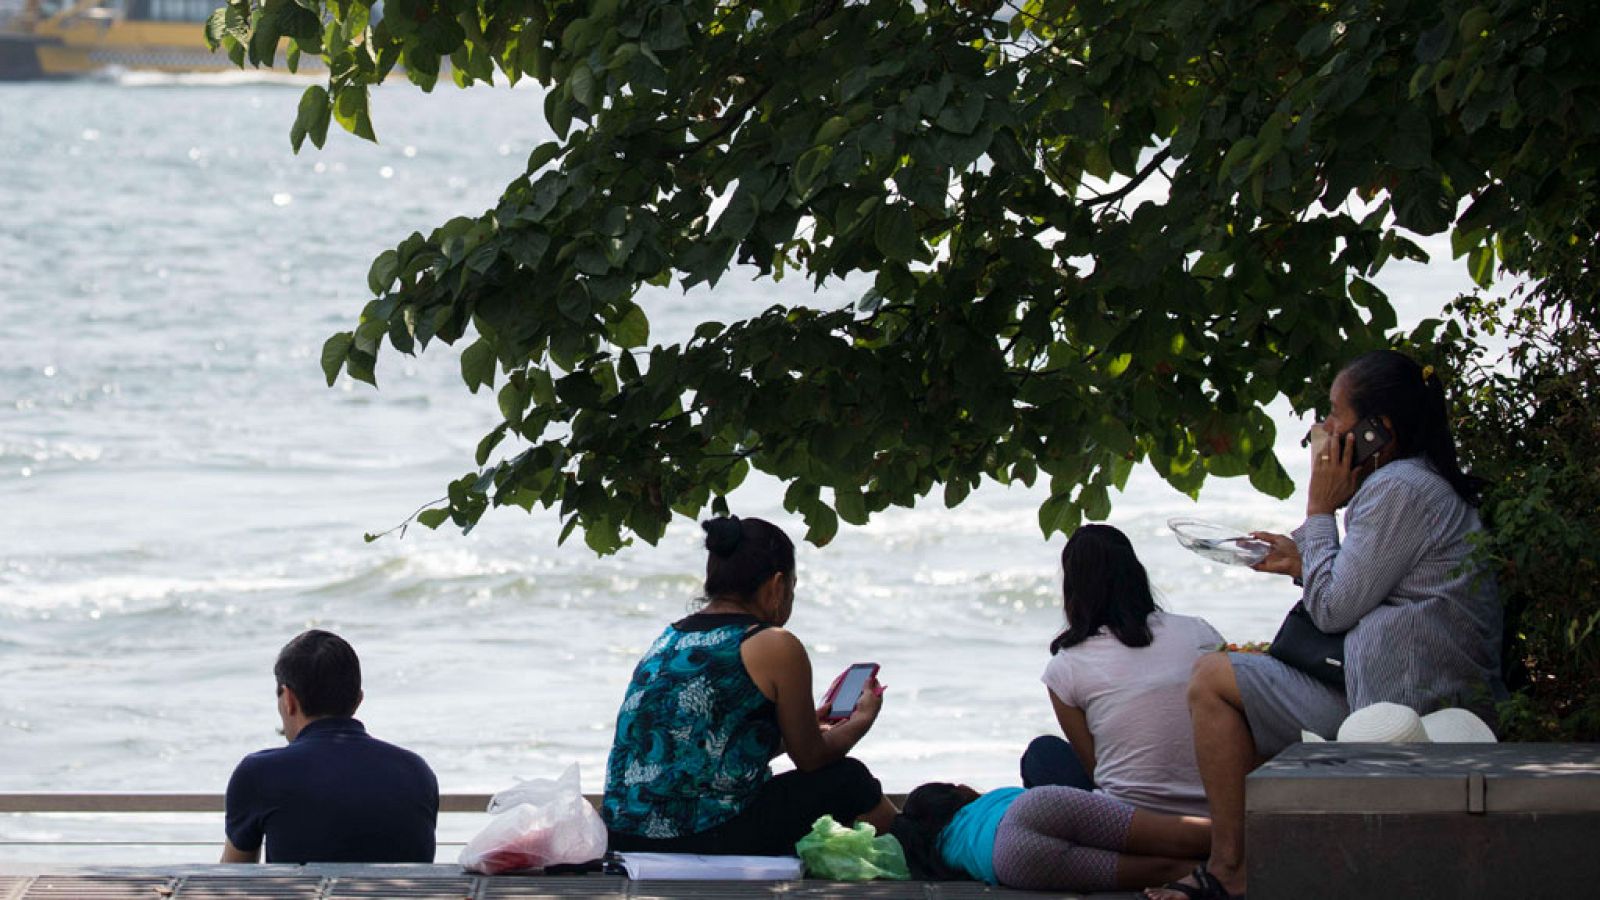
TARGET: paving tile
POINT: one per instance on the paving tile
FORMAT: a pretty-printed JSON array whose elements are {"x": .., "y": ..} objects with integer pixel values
[
  {"x": 677, "y": 890},
  {"x": 250, "y": 887},
  {"x": 512, "y": 887},
  {"x": 402, "y": 888},
  {"x": 100, "y": 887},
  {"x": 445, "y": 883}
]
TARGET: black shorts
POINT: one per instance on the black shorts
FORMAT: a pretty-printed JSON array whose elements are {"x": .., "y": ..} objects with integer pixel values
[{"x": 781, "y": 813}]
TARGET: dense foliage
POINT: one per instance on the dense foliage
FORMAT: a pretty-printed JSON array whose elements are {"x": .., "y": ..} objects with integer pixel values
[
  {"x": 1096, "y": 233},
  {"x": 1531, "y": 426}
]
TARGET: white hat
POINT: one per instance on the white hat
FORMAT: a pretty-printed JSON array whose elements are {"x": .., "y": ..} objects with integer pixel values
[
  {"x": 1383, "y": 723},
  {"x": 1457, "y": 726},
  {"x": 1392, "y": 723}
]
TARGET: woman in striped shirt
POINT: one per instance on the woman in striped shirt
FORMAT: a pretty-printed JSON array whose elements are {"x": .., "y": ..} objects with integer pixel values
[{"x": 1422, "y": 627}]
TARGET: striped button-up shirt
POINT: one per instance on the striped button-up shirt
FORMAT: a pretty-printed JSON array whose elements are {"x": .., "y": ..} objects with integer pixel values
[{"x": 1422, "y": 627}]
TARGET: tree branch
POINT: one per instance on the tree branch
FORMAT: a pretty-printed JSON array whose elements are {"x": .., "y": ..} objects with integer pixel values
[{"x": 1133, "y": 183}]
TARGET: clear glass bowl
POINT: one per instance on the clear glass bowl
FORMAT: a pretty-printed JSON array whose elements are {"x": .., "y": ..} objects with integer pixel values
[{"x": 1219, "y": 543}]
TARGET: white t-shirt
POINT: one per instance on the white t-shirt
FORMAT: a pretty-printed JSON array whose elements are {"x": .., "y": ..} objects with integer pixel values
[{"x": 1136, "y": 703}]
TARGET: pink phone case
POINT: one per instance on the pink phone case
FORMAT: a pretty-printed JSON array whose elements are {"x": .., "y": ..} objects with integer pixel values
[{"x": 833, "y": 689}]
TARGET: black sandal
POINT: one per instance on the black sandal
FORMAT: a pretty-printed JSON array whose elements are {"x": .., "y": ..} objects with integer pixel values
[{"x": 1206, "y": 887}]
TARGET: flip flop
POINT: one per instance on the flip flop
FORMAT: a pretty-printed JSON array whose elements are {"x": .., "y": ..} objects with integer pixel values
[{"x": 1206, "y": 887}]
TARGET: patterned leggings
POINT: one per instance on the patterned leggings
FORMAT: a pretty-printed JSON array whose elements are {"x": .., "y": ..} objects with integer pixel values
[{"x": 1061, "y": 838}]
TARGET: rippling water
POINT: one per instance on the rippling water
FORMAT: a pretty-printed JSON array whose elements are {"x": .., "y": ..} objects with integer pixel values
[{"x": 180, "y": 493}]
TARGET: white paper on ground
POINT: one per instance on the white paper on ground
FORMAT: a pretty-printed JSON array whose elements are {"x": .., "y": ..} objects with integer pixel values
[{"x": 693, "y": 866}]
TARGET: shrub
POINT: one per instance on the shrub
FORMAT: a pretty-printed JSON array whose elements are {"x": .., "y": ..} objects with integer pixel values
[{"x": 1529, "y": 421}]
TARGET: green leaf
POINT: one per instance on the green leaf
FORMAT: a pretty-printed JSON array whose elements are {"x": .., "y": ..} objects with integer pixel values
[
  {"x": 216, "y": 27},
  {"x": 542, "y": 155},
  {"x": 433, "y": 518},
  {"x": 1481, "y": 265},
  {"x": 385, "y": 269},
  {"x": 334, "y": 350},
  {"x": 851, "y": 504},
  {"x": 478, "y": 365},
  {"x": 1094, "y": 500},
  {"x": 573, "y": 302},
  {"x": 955, "y": 491},
  {"x": 1058, "y": 515},
  {"x": 896, "y": 233},
  {"x": 362, "y": 366},
  {"x": 312, "y": 119},
  {"x": 489, "y": 442},
  {"x": 633, "y": 330},
  {"x": 584, "y": 88},
  {"x": 350, "y": 109},
  {"x": 513, "y": 400},
  {"x": 832, "y": 129},
  {"x": 670, "y": 31},
  {"x": 963, "y": 116},
  {"x": 1432, "y": 44},
  {"x": 809, "y": 167},
  {"x": 821, "y": 523},
  {"x": 1268, "y": 476}
]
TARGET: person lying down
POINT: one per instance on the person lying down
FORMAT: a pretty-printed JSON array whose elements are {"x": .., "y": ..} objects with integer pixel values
[{"x": 1045, "y": 838}]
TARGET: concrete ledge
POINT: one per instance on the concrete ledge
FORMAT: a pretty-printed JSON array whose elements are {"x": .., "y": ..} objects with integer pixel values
[
  {"x": 1374, "y": 778},
  {"x": 1425, "y": 820},
  {"x": 436, "y": 882}
]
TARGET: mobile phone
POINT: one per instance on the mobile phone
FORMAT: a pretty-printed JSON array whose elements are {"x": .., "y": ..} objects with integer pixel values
[
  {"x": 1371, "y": 436},
  {"x": 845, "y": 692}
]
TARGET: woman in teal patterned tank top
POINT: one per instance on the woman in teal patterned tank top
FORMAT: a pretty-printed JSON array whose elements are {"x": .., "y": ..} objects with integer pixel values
[{"x": 714, "y": 699}]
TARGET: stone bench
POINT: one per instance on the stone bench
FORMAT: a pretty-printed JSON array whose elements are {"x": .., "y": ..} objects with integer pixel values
[
  {"x": 1425, "y": 820},
  {"x": 440, "y": 882}
]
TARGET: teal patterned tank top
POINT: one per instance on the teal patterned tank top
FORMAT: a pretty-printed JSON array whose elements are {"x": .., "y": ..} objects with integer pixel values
[{"x": 694, "y": 735}]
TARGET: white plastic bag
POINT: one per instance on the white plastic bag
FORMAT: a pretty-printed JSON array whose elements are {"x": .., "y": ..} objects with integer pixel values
[{"x": 537, "y": 823}]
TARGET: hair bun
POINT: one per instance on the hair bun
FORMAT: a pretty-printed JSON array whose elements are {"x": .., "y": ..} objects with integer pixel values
[{"x": 723, "y": 534}]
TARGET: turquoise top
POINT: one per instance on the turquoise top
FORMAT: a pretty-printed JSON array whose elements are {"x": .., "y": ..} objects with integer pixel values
[
  {"x": 967, "y": 843},
  {"x": 694, "y": 735}
]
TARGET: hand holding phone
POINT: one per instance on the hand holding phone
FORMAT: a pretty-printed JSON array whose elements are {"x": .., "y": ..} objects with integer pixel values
[
  {"x": 1371, "y": 436},
  {"x": 846, "y": 692},
  {"x": 1334, "y": 476}
]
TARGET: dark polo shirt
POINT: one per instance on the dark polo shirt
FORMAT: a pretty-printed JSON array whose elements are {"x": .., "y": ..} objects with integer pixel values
[{"x": 334, "y": 794}]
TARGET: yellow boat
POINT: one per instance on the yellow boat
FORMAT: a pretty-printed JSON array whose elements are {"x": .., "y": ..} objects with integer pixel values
[{"x": 65, "y": 38}]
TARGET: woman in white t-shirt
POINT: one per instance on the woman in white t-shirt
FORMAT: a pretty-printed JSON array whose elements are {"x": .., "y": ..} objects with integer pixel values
[{"x": 1118, "y": 678}]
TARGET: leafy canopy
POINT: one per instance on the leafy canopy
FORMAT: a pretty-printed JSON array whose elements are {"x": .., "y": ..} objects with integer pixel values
[{"x": 1097, "y": 234}]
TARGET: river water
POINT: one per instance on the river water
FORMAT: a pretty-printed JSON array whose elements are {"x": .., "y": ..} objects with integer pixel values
[{"x": 180, "y": 493}]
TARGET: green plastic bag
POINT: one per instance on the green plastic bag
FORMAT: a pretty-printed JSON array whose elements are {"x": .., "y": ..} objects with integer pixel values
[{"x": 851, "y": 854}]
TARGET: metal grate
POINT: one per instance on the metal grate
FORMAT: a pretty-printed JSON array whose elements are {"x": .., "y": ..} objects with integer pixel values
[
  {"x": 11, "y": 887},
  {"x": 99, "y": 887},
  {"x": 400, "y": 888},
  {"x": 250, "y": 887}
]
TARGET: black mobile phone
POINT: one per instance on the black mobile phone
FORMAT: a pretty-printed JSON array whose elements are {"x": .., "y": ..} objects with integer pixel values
[{"x": 1371, "y": 436}]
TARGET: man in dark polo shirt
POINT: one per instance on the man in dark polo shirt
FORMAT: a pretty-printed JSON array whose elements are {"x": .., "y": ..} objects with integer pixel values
[{"x": 334, "y": 794}]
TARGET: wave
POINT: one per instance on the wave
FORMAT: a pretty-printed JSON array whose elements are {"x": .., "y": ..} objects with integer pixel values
[
  {"x": 228, "y": 78},
  {"x": 133, "y": 593}
]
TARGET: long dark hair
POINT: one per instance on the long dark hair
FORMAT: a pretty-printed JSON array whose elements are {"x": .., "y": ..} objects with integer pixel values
[
  {"x": 1388, "y": 383},
  {"x": 741, "y": 554},
  {"x": 1103, "y": 585},
  {"x": 929, "y": 808}
]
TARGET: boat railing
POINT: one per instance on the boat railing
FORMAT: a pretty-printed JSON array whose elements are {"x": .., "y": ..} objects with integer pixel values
[{"x": 104, "y": 803}]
